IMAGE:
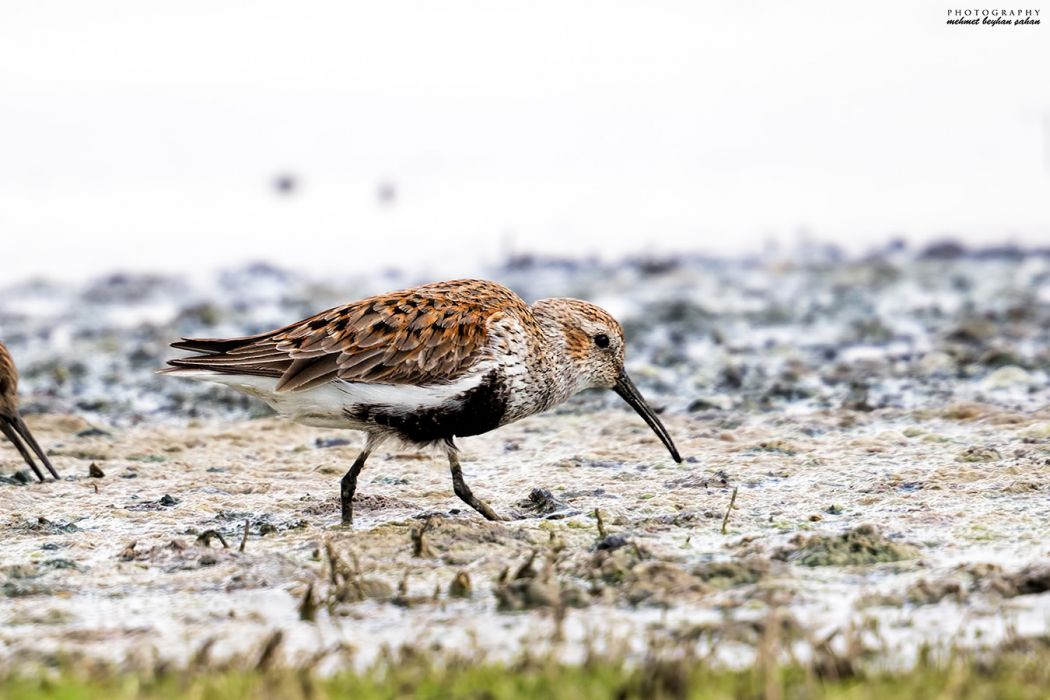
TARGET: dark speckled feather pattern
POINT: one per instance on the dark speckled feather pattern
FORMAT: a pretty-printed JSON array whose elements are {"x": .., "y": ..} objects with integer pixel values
[{"x": 427, "y": 335}]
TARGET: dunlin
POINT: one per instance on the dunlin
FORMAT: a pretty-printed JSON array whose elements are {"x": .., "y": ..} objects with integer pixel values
[
  {"x": 11, "y": 423},
  {"x": 425, "y": 365}
]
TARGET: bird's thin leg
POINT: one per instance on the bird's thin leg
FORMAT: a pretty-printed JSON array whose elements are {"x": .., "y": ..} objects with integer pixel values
[
  {"x": 23, "y": 430},
  {"x": 349, "y": 483},
  {"x": 460, "y": 486},
  {"x": 9, "y": 431}
]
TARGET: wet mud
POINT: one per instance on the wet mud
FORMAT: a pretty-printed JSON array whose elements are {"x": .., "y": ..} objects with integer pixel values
[{"x": 229, "y": 530}]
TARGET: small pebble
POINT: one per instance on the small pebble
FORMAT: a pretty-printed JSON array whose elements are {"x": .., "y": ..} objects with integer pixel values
[
  {"x": 613, "y": 542},
  {"x": 1008, "y": 377},
  {"x": 331, "y": 442},
  {"x": 93, "y": 432}
]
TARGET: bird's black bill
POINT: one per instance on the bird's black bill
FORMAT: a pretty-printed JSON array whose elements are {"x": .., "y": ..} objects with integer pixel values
[
  {"x": 16, "y": 430},
  {"x": 629, "y": 393}
]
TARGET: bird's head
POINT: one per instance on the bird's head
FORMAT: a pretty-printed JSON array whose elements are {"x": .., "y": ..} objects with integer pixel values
[{"x": 593, "y": 343}]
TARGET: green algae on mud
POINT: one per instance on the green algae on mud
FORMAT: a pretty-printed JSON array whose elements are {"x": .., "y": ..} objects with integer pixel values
[{"x": 861, "y": 546}]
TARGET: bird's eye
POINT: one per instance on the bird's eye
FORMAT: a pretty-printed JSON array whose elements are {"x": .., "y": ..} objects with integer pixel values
[{"x": 601, "y": 340}]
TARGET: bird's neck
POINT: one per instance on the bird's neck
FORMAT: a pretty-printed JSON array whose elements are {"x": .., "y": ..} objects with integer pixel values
[{"x": 564, "y": 376}]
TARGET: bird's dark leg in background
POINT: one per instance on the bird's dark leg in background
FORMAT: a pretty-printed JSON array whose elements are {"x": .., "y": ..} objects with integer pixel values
[
  {"x": 460, "y": 486},
  {"x": 349, "y": 483},
  {"x": 17, "y": 432}
]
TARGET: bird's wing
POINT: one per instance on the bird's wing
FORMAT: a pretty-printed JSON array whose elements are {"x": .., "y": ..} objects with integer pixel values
[
  {"x": 8, "y": 381},
  {"x": 426, "y": 335}
]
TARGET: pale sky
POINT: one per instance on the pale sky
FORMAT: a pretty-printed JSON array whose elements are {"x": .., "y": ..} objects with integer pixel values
[{"x": 147, "y": 136}]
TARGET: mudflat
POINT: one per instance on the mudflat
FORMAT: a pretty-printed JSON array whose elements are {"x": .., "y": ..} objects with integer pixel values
[
  {"x": 920, "y": 526},
  {"x": 867, "y": 470}
]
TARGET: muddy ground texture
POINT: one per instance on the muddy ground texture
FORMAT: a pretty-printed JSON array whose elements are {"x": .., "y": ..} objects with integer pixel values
[{"x": 881, "y": 427}]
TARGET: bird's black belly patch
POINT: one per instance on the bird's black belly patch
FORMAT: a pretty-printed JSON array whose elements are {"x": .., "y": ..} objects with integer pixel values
[{"x": 473, "y": 412}]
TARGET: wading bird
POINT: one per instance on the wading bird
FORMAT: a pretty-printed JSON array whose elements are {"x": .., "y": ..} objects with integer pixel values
[
  {"x": 425, "y": 365},
  {"x": 11, "y": 423}
]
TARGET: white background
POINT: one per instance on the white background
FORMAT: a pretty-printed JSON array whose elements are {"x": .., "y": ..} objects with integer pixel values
[{"x": 148, "y": 135}]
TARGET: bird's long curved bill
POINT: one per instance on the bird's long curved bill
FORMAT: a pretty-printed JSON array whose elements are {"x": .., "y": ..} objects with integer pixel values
[
  {"x": 629, "y": 393},
  {"x": 16, "y": 430}
]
